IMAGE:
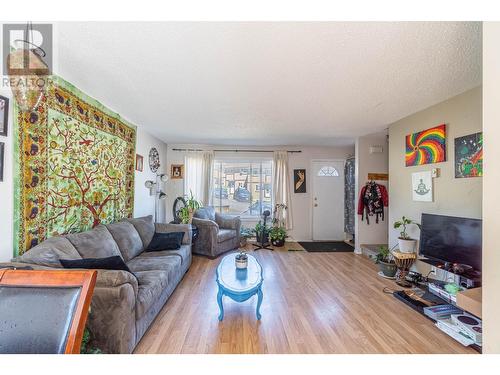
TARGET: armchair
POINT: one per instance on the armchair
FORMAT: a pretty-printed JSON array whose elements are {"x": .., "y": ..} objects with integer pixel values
[{"x": 218, "y": 233}]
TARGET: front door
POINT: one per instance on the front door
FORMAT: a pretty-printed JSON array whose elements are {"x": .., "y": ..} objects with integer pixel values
[{"x": 328, "y": 200}]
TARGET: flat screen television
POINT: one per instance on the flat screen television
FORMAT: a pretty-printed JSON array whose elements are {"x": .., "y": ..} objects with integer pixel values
[{"x": 452, "y": 239}]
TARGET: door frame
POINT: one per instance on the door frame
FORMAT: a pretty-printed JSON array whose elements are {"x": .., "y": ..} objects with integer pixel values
[{"x": 311, "y": 178}]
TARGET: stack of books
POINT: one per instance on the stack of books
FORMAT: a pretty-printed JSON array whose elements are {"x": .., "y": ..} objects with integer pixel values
[{"x": 441, "y": 311}]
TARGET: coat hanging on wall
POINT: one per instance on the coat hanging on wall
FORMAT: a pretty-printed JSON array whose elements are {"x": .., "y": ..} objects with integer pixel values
[{"x": 372, "y": 199}]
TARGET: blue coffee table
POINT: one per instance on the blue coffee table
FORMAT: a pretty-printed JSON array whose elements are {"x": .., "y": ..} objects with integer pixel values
[{"x": 237, "y": 284}]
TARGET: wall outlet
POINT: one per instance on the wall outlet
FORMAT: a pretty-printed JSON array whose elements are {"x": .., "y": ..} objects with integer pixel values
[{"x": 435, "y": 172}]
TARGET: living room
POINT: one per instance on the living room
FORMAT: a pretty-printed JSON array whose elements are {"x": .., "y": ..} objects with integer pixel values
[{"x": 188, "y": 187}]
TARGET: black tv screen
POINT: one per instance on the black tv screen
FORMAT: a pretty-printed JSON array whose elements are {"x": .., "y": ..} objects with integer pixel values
[{"x": 452, "y": 239}]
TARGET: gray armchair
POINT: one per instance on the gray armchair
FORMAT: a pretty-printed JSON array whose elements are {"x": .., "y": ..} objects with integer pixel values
[{"x": 217, "y": 233}]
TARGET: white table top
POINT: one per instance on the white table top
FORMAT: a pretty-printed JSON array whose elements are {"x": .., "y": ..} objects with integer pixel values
[{"x": 238, "y": 280}]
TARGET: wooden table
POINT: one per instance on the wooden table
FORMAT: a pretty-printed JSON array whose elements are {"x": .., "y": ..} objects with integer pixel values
[{"x": 239, "y": 284}]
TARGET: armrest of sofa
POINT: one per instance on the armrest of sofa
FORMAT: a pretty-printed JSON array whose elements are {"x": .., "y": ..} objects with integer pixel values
[
  {"x": 169, "y": 228},
  {"x": 228, "y": 221}
]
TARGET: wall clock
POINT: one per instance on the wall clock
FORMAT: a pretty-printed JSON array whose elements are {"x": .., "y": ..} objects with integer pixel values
[{"x": 154, "y": 160}]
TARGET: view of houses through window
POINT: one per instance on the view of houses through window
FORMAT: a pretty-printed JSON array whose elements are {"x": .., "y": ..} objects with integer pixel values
[{"x": 242, "y": 187}]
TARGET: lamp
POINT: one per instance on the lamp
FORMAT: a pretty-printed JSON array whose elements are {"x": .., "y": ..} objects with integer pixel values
[
  {"x": 28, "y": 72},
  {"x": 154, "y": 189}
]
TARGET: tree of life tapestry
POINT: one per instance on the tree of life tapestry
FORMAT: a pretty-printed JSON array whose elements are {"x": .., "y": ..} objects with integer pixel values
[{"x": 74, "y": 166}]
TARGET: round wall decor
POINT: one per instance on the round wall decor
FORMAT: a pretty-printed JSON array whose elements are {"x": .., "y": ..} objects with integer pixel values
[{"x": 154, "y": 160}]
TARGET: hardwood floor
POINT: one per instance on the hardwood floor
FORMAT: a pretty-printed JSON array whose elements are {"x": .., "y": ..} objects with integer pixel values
[{"x": 313, "y": 303}]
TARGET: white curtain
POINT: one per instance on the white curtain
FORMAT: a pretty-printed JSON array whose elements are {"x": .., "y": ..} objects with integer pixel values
[
  {"x": 281, "y": 185},
  {"x": 198, "y": 176}
]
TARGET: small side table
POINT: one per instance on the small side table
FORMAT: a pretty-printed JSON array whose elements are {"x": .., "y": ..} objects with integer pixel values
[{"x": 403, "y": 261}]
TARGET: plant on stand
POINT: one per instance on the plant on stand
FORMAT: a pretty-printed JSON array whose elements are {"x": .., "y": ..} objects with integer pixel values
[
  {"x": 245, "y": 234},
  {"x": 186, "y": 213},
  {"x": 385, "y": 262},
  {"x": 278, "y": 233},
  {"x": 261, "y": 233},
  {"x": 406, "y": 243}
]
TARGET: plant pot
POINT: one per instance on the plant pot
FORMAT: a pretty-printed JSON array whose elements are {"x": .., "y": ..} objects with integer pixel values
[
  {"x": 241, "y": 261},
  {"x": 278, "y": 243},
  {"x": 388, "y": 269},
  {"x": 243, "y": 241},
  {"x": 407, "y": 246}
]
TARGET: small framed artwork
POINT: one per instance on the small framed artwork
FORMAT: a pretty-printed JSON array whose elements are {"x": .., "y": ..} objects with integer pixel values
[
  {"x": 421, "y": 186},
  {"x": 299, "y": 180},
  {"x": 139, "y": 163},
  {"x": 2, "y": 148},
  {"x": 4, "y": 115},
  {"x": 469, "y": 156},
  {"x": 177, "y": 171}
]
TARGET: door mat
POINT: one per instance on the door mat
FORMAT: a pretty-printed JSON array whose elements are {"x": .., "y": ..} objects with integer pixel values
[{"x": 326, "y": 247}]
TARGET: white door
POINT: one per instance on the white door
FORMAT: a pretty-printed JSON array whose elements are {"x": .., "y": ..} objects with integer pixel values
[{"x": 328, "y": 200}]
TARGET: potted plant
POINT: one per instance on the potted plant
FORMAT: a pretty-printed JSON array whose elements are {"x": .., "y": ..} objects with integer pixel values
[
  {"x": 261, "y": 232},
  {"x": 186, "y": 213},
  {"x": 241, "y": 260},
  {"x": 245, "y": 234},
  {"x": 406, "y": 243},
  {"x": 385, "y": 262},
  {"x": 277, "y": 236}
]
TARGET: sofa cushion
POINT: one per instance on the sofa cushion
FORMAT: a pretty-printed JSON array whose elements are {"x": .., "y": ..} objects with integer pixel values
[
  {"x": 166, "y": 241},
  {"x": 145, "y": 227},
  {"x": 183, "y": 253},
  {"x": 205, "y": 213},
  {"x": 159, "y": 263},
  {"x": 154, "y": 274},
  {"x": 95, "y": 243},
  {"x": 110, "y": 263},
  {"x": 226, "y": 234},
  {"x": 127, "y": 238},
  {"x": 49, "y": 252}
]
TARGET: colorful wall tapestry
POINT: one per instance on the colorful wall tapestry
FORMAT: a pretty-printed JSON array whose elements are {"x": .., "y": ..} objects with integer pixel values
[
  {"x": 426, "y": 147},
  {"x": 469, "y": 156},
  {"x": 74, "y": 167}
]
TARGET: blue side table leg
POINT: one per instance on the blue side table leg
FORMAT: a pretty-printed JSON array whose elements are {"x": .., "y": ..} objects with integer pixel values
[
  {"x": 259, "y": 302},
  {"x": 221, "y": 308}
]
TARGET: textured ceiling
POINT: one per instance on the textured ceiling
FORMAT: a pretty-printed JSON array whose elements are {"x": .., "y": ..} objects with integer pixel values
[{"x": 255, "y": 83}]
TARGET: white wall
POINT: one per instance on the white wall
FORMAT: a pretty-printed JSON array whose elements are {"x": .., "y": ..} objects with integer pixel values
[
  {"x": 301, "y": 203},
  {"x": 143, "y": 203},
  {"x": 7, "y": 189},
  {"x": 491, "y": 179},
  {"x": 372, "y": 233}
]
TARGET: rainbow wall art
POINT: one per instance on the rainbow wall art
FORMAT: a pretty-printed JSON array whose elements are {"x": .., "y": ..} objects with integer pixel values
[{"x": 426, "y": 147}]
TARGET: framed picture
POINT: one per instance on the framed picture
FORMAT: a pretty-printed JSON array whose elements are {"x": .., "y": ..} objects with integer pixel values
[
  {"x": 299, "y": 180},
  {"x": 177, "y": 171},
  {"x": 469, "y": 156},
  {"x": 426, "y": 147},
  {"x": 421, "y": 186},
  {"x": 4, "y": 115},
  {"x": 139, "y": 163},
  {"x": 2, "y": 148}
]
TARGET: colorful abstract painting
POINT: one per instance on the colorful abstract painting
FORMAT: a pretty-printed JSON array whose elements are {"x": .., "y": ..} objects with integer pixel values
[
  {"x": 426, "y": 147},
  {"x": 469, "y": 156},
  {"x": 74, "y": 167}
]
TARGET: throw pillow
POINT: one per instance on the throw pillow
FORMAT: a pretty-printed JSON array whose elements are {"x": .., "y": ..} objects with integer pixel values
[
  {"x": 166, "y": 241},
  {"x": 110, "y": 263}
]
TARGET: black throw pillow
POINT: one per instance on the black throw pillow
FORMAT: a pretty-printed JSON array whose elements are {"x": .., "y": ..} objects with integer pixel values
[
  {"x": 111, "y": 263},
  {"x": 166, "y": 241}
]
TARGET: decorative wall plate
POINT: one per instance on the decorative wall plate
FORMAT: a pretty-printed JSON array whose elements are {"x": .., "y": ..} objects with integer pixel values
[{"x": 154, "y": 160}]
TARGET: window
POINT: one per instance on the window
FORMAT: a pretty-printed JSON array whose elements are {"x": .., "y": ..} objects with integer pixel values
[
  {"x": 328, "y": 171},
  {"x": 242, "y": 187}
]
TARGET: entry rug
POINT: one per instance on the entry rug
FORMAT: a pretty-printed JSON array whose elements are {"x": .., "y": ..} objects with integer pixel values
[
  {"x": 74, "y": 166},
  {"x": 327, "y": 247}
]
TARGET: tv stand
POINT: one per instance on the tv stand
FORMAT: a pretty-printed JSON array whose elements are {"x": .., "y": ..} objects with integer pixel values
[{"x": 424, "y": 300}]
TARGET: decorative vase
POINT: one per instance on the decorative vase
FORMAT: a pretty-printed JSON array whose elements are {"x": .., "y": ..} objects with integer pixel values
[
  {"x": 388, "y": 269},
  {"x": 262, "y": 239},
  {"x": 407, "y": 245},
  {"x": 241, "y": 261}
]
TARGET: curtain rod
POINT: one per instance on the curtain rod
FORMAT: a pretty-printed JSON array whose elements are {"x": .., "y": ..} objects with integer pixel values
[{"x": 198, "y": 150}]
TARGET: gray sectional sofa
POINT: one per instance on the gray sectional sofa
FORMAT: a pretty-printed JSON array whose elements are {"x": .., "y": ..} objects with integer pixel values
[{"x": 124, "y": 304}]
